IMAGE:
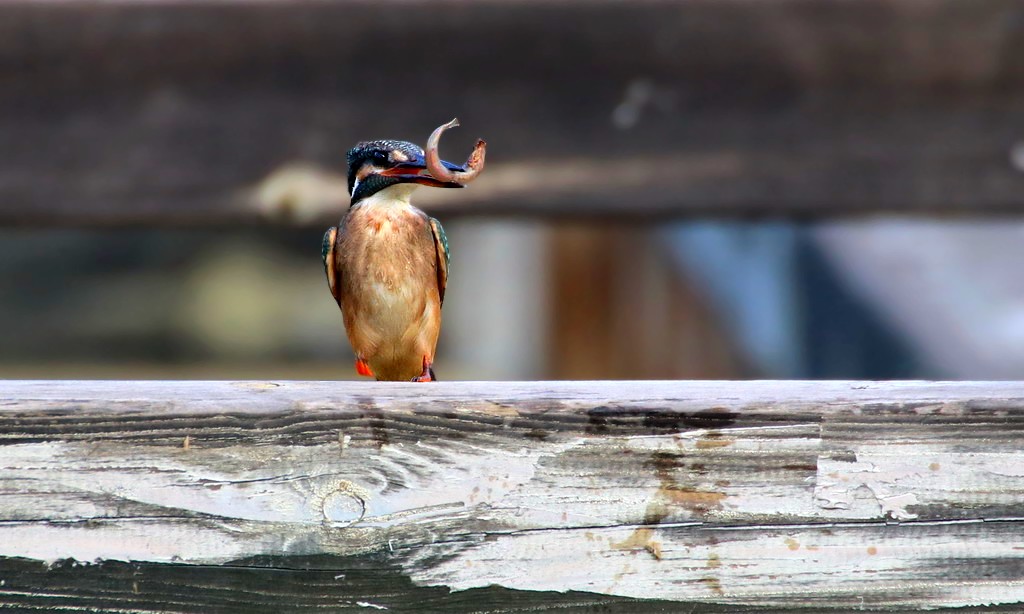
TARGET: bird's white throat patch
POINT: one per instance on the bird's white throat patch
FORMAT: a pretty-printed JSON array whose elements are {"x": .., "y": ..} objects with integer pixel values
[{"x": 398, "y": 195}]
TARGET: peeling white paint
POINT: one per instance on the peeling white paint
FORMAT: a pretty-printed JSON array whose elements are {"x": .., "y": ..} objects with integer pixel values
[
  {"x": 885, "y": 481},
  {"x": 770, "y": 566}
]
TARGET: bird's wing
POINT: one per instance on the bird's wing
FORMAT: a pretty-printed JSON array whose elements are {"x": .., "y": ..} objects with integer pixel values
[
  {"x": 330, "y": 266},
  {"x": 443, "y": 256}
]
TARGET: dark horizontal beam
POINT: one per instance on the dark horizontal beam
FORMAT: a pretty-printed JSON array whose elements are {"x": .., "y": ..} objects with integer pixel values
[
  {"x": 192, "y": 113},
  {"x": 357, "y": 585}
]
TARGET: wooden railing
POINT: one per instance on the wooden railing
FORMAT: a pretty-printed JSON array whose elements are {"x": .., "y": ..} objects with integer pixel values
[{"x": 760, "y": 494}]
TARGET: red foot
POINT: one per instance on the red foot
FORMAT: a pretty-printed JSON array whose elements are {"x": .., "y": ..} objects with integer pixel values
[
  {"x": 428, "y": 373},
  {"x": 362, "y": 368}
]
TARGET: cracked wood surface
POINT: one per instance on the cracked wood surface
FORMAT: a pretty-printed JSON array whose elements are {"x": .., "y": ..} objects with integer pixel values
[
  {"x": 781, "y": 494},
  {"x": 220, "y": 113}
]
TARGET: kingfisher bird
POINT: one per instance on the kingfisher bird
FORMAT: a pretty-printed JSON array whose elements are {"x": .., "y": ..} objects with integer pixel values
[{"x": 387, "y": 261}]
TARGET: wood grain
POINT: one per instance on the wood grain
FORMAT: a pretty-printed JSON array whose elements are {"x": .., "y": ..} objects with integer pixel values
[
  {"x": 780, "y": 494},
  {"x": 220, "y": 113},
  {"x": 293, "y": 584}
]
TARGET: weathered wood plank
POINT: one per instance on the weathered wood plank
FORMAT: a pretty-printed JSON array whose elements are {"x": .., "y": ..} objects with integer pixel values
[
  {"x": 306, "y": 584},
  {"x": 136, "y": 112},
  {"x": 778, "y": 494},
  {"x": 295, "y": 584}
]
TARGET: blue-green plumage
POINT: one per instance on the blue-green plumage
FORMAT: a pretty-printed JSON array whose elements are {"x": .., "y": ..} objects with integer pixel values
[
  {"x": 441, "y": 240},
  {"x": 328, "y": 243}
]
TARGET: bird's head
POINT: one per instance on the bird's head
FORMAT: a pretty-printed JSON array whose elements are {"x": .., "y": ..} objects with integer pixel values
[{"x": 374, "y": 166}]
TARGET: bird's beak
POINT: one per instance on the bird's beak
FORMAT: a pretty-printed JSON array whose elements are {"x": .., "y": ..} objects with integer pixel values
[{"x": 415, "y": 171}]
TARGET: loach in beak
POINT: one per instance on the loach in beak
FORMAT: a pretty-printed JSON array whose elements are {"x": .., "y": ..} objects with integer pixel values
[
  {"x": 444, "y": 171},
  {"x": 415, "y": 171}
]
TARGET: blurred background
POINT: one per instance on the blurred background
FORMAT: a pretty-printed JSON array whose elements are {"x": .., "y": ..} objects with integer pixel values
[{"x": 675, "y": 188}]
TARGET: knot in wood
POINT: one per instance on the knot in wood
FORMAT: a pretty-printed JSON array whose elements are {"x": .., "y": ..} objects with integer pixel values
[{"x": 344, "y": 505}]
